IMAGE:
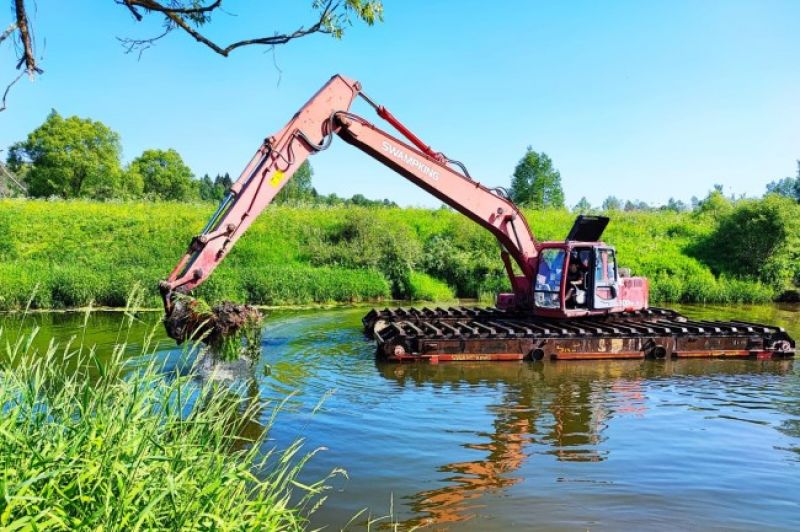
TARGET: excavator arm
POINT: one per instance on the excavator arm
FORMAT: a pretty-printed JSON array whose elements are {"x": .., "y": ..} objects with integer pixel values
[{"x": 311, "y": 130}]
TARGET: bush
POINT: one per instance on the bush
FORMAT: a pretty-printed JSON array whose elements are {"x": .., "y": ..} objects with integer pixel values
[
  {"x": 364, "y": 241},
  {"x": 758, "y": 238},
  {"x": 296, "y": 285},
  {"x": 426, "y": 288}
]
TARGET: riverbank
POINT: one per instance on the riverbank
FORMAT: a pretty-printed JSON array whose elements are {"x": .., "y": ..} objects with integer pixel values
[{"x": 66, "y": 254}]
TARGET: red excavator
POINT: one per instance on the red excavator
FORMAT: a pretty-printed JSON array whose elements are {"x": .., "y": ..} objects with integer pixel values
[{"x": 569, "y": 299}]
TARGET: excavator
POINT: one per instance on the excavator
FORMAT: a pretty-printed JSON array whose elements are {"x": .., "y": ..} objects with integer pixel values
[{"x": 569, "y": 301}]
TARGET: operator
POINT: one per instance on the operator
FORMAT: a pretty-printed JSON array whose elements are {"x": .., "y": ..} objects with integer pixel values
[{"x": 575, "y": 278}]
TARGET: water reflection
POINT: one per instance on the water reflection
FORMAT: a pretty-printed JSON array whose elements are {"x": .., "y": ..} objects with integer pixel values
[{"x": 556, "y": 409}]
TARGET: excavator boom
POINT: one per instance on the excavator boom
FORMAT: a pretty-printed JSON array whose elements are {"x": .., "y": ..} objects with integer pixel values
[
  {"x": 273, "y": 164},
  {"x": 311, "y": 130}
]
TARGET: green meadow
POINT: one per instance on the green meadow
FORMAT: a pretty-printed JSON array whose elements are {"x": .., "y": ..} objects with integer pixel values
[{"x": 66, "y": 254}]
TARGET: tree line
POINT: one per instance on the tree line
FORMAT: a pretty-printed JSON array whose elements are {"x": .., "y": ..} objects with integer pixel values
[
  {"x": 82, "y": 158},
  {"x": 537, "y": 183}
]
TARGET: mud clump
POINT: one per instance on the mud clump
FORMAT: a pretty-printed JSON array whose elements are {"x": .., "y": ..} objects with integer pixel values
[{"x": 221, "y": 327}]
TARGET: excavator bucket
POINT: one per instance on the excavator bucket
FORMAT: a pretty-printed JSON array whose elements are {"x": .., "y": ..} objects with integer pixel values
[{"x": 188, "y": 318}]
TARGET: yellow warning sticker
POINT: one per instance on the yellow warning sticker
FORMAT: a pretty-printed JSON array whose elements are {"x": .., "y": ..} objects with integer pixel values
[{"x": 276, "y": 179}]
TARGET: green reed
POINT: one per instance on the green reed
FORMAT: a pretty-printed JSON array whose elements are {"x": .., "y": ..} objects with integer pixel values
[{"x": 105, "y": 442}]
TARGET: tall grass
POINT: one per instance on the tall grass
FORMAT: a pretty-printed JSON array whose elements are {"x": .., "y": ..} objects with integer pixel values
[
  {"x": 92, "y": 444},
  {"x": 79, "y": 251}
]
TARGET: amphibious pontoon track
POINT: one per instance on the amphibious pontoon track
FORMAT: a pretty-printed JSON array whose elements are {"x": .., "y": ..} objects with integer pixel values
[{"x": 464, "y": 333}]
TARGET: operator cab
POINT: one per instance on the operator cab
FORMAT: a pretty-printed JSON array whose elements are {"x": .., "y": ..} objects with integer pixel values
[{"x": 578, "y": 276}]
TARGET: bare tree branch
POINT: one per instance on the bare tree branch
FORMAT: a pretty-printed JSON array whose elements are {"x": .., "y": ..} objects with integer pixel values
[
  {"x": 151, "y": 5},
  {"x": 132, "y": 9},
  {"x": 140, "y": 45},
  {"x": 8, "y": 88},
  {"x": 189, "y": 16},
  {"x": 9, "y": 30},
  {"x": 28, "y": 58},
  {"x": 177, "y": 18}
]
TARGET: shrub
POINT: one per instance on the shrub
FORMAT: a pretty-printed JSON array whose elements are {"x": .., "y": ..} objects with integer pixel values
[
  {"x": 364, "y": 241},
  {"x": 297, "y": 285},
  {"x": 758, "y": 238},
  {"x": 426, "y": 288}
]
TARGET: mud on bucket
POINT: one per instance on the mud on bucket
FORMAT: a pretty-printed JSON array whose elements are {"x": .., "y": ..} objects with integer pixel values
[{"x": 221, "y": 327}]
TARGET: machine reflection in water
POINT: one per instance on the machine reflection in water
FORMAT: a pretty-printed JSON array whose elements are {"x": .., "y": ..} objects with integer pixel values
[{"x": 561, "y": 410}]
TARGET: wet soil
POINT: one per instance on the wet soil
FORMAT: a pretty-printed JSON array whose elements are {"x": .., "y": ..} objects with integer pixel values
[{"x": 193, "y": 319}]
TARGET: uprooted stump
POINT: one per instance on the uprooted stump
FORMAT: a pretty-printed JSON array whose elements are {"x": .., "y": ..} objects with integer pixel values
[{"x": 221, "y": 327}]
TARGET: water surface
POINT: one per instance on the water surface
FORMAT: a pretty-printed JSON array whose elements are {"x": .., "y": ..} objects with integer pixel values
[{"x": 566, "y": 445}]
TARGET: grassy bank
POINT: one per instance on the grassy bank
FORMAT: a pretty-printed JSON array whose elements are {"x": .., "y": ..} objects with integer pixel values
[
  {"x": 75, "y": 252},
  {"x": 89, "y": 444}
]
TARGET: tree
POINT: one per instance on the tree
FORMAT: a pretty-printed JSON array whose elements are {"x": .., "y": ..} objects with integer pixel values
[
  {"x": 536, "y": 183},
  {"x": 674, "y": 205},
  {"x": 298, "y": 189},
  {"x": 755, "y": 238},
  {"x": 163, "y": 175},
  {"x": 223, "y": 183},
  {"x": 205, "y": 188},
  {"x": 788, "y": 186},
  {"x": 360, "y": 200},
  {"x": 71, "y": 157},
  {"x": 715, "y": 203},
  {"x": 192, "y": 17},
  {"x": 583, "y": 206},
  {"x": 215, "y": 190},
  {"x": 612, "y": 203}
]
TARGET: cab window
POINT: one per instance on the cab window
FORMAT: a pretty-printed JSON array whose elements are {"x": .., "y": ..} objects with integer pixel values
[
  {"x": 547, "y": 289},
  {"x": 605, "y": 273}
]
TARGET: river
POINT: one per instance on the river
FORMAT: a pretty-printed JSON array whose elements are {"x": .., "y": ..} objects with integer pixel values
[{"x": 488, "y": 446}]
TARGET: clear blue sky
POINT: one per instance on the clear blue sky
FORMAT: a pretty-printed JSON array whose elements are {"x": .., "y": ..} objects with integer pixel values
[{"x": 635, "y": 99}]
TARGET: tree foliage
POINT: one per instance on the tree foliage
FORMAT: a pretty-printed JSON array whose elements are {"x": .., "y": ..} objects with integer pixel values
[
  {"x": 674, "y": 205},
  {"x": 299, "y": 188},
  {"x": 636, "y": 205},
  {"x": 715, "y": 203},
  {"x": 788, "y": 186},
  {"x": 583, "y": 206},
  {"x": 756, "y": 238},
  {"x": 215, "y": 190},
  {"x": 536, "y": 183},
  {"x": 70, "y": 158},
  {"x": 163, "y": 175},
  {"x": 612, "y": 203}
]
